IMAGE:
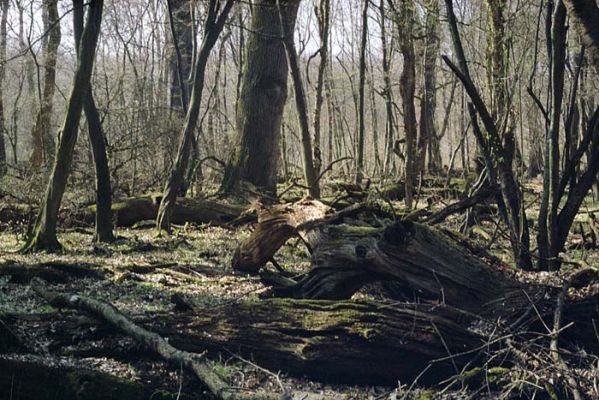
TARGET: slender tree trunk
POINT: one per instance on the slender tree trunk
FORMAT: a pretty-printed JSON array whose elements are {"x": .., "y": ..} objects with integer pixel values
[
  {"x": 361, "y": 94},
  {"x": 387, "y": 93},
  {"x": 103, "y": 225},
  {"x": 4, "y": 5},
  {"x": 44, "y": 233},
  {"x": 498, "y": 153},
  {"x": 214, "y": 23},
  {"x": 548, "y": 213},
  {"x": 262, "y": 100},
  {"x": 43, "y": 142},
  {"x": 310, "y": 173},
  {"x": 323, "y": 11}
]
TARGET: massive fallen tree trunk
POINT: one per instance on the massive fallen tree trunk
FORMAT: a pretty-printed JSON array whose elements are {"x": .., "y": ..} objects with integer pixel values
[
  {"x": 352, "y": 341},
  {"x": 426, "y": 264}
]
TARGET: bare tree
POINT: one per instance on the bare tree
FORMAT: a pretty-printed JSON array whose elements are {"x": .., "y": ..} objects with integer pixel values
[
  {"x": 43, "y": 143},
  {"x": 43, "y": 236},
  {"x": 262, "y": 99},
  {"x": 103, "y": 226},
  {"x": 4, "y": 5},
  {"x": 300, "y": 101},
  {"x": 216, "y": 17}
]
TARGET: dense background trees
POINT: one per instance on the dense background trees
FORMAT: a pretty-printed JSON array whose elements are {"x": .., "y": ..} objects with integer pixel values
[{"x": 374, "y": 99}]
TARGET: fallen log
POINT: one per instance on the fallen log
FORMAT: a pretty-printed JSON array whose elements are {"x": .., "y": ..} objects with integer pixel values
[
  {"x": 275, "y": 226},
  {"x": 130, "y": 211},
  {"x": 353, "y": 341},
  {"x": 428, "y": 265},
  {"x": 193, "y": 362}
]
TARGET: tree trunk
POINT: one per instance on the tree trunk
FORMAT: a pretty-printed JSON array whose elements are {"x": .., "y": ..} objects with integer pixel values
[
  {"x": 44, "y": 232},
  {"x": 302, "y": 108},
  {"x": 407, "y": 90},
  {"x": 213, "y": 25},
  {"x": 361, "y": 94},
  {"x": 4, "y": 5},
  {"x": 262, "y": 101},
  {"x": 42, "y": 140},
  {"x": 427, "y": 139},
  {"x": 586, "y": 15},
  {"x": 323, "y": 14},
  {"x": 103, "y": 223},
  {"x": 332, "y": 341},
  {"x": 548, "y": 212},
  {"x": 387, "y": 93}
]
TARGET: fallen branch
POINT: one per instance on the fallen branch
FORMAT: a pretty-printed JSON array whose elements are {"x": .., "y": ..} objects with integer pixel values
[{"x": 192, "y": 361}]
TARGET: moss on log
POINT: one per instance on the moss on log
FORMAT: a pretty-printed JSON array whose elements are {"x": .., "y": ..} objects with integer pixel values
[{"x": 351, "y": 341}]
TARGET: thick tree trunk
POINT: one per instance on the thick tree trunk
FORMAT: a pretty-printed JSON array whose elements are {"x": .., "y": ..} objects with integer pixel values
[
  {"x": 262, "y": 100},
  {"x": 103, "y": 223},
  {"x": 427, "y": 138},
  {"x": 407, "y": 80},
  {"x": 44, "y": 232},
  {"x": 42, "y": 140},
  {"x": 586, "y": 15},
  {"x": 323, "y": 13}
]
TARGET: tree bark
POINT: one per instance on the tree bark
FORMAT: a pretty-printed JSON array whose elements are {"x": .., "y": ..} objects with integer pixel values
[
  {"x": 361, "y": 94},
  {"x": 103, "y": 223},
  {"x": 43, "y": 142},
  {"x": 310, "y": 174},
  {"x": 427, "y": 138},
  {"x": 586, "y": 15},
  {"x": 214, "y": 23},
  {"x": 407, "y": 91},
  {"x": 4, "y": 5},
  {"x": 262, "y": 100},
  {"x": 44, "y": 232}
]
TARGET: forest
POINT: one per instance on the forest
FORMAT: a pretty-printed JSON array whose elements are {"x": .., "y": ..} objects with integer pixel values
[{"x": 287, "y": 199}]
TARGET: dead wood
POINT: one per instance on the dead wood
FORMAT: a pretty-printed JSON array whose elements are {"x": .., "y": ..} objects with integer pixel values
[{"x": 191, "y": 361}]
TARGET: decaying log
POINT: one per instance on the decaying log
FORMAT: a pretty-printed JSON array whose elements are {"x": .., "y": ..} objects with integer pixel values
[
  {"x": 275, "y": 226},
  {"x": 428, "y": 263},
  {"x": 347, "y": 254},
  {"x": 192, "y": 361},
  {"x": 128, "y": 212},
  {"x": 133, "y": 210},
  {"x": 349, "y": 341}
]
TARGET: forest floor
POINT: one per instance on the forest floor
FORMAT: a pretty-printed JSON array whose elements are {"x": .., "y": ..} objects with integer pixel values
[{"x": 140, "y": 273}]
